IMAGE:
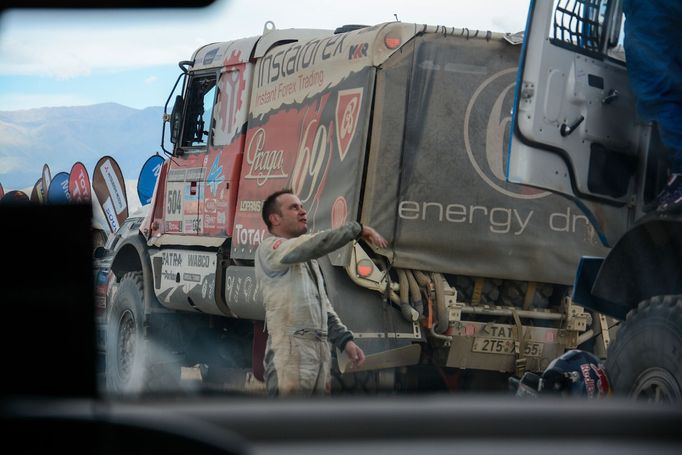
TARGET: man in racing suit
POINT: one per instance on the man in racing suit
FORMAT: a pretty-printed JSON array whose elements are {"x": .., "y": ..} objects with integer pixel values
[{"x": 298, "y": 314}]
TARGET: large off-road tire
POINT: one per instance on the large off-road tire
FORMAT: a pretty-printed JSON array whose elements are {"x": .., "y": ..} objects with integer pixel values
[
  {"x": 134, "y": 363},
  {"x": 645, "y": 359}
]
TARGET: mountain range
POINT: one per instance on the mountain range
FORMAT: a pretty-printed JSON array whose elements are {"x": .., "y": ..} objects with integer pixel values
[{"x": 61, "y": 136}]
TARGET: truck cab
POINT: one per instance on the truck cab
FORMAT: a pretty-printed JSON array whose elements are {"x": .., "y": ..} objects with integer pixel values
[{"x": 576, "y": 131}]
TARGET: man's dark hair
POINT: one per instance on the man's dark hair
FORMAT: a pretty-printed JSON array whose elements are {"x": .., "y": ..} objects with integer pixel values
[{"x": 270, "y": 205}]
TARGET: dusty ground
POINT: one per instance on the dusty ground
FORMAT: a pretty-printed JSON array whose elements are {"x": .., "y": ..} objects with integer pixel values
[{"x": 236, "y": 380}]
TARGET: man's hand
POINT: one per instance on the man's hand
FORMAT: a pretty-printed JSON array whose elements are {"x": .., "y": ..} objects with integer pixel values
[
  {"x": 355, "y": 354},
  {"x": 369, "y": 235}
]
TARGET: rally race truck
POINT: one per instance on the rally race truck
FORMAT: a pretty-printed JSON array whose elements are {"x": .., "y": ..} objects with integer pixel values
[{"x": 400, "y": 126}]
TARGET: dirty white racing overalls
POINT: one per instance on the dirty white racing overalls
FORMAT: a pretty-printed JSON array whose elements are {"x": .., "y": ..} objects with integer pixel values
[{"x": 298, "y": 314}]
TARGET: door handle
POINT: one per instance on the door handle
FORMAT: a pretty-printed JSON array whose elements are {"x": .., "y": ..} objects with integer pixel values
[
  {"x": 566, "y": 129},
  {"x": 613, "y": 94}
]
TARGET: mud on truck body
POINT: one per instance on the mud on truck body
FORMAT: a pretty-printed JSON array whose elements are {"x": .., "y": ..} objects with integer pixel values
[
  {"x": 576, "y": 132},
  {"x": 399, "y": 126}
]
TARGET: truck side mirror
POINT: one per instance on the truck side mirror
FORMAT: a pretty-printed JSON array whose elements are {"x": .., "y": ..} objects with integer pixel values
[{"x": 176, "y": 119}]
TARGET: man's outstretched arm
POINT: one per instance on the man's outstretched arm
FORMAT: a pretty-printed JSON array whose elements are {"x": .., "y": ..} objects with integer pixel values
[{"x": 317, "y": 245}]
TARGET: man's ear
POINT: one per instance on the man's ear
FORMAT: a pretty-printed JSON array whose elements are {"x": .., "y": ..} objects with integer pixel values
[{"x": 274, "y": 219}]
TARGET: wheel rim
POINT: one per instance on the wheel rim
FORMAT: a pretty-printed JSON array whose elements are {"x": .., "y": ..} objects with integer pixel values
[
  {"x": 126, "y": 345},
  {"x": 656, "y": 385}
]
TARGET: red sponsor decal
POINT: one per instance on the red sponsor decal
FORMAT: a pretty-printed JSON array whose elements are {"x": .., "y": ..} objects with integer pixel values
[
  {"x": 339, "y": 212},
  {"x": 358, "y": 51},
  {"x": 469, "y": 330},
  {"x": 277, "y": 243},
  {"x": 263, "y": 164},
  {"x": 234, "y": 59},
  {"x": 314, "y": 158},
  {"x": 550, "y": 337},
  {"x": 232, "y": 86},
  {"x": 312, "y": 163},
  {"x": 173, "y": 226},
  {"x": 294, "y": 147},
  {"x": 347, "y": 114},
  {"x": 209, "y": 221},
  {"x": 585, "y": 369},
  {"x": 603, "y": 385}
]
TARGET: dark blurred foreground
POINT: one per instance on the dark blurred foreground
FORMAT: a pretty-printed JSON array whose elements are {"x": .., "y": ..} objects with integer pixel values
[
  {"x": 46, "y": 289},
  {"x": 50, "y": 401}
]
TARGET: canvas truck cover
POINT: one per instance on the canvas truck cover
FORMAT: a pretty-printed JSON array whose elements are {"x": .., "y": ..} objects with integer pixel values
[
  {"x": 435, "y": 181},
  {"x": 308, "y": 127}
]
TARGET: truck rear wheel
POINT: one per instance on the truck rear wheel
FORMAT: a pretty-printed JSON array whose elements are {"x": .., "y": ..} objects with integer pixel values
[
  {"x": 643, "y": 362},
  {"x": 363, "y": 382},
  {"x": 134, "y": 363},
  {"x": 360, "y": 382}
]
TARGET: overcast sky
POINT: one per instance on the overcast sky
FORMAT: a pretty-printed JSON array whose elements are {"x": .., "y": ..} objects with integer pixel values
[{"x": 52, "y": 58}]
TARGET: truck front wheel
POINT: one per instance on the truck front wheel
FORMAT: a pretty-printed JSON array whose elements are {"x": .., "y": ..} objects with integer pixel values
[
  {"x": 644, "y": 361},
  {"x": 133, "y": 362}
]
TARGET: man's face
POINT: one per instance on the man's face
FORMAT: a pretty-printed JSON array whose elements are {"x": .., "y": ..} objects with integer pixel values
[{"x": 292, "y": 219}]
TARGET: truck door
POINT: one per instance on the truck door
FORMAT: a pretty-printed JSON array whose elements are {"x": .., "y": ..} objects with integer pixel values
[
  {"x": 575, "y": 129},
  {"x": 224, "y": 161},
  {"x": 184, "y": 185}
]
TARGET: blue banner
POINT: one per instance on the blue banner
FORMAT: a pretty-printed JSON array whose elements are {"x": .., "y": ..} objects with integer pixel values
[
  {"x": 58, "y": 192},
  {"x": 147, "y": 179}
]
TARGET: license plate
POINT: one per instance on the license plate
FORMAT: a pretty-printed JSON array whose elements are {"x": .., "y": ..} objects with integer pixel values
[{"x": 505, "y": 346}]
